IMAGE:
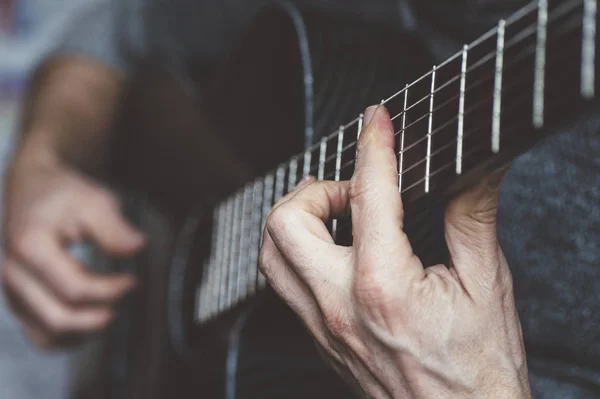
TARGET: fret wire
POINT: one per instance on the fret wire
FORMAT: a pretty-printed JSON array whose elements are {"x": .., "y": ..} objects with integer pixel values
[
  {"x": 279, "y": 184},
  {"x": 498, "y": 88},
  {"x": 588, "y": 52},
  {"x": 211, "y": 264},
  {"x": 267, "y": 205},
  {"x": 257, "y": 203},
  {"x": 293, "y": 176},
  {"x": 338, "y": 166},
  {"x": 402, "y": 137},
  {"x": 461, "y": 111},
  {"x": 227, "y": 256},
  {"x": 218, "y": 266},
  {"x": 540, "y": 65},
  {"x": 235, "y": 249},
  {"x": 430, "y": 128},
  {"x": 307, "y": 161},
  {"x": 244, "y": 237},
  {"x": 338, "y": 161},
  {"x": 361, "y": 120},
  {"x": 322, "y": 155}
]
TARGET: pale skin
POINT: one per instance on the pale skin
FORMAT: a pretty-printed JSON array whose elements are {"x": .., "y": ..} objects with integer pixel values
[{"x": 389, "y": 326}]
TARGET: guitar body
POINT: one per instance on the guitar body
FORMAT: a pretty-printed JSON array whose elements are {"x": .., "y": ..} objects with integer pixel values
[{"x": 295, "y": 78}]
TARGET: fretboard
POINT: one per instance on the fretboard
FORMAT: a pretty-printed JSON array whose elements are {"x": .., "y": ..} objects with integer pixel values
[{"x": 474, "y": 112}]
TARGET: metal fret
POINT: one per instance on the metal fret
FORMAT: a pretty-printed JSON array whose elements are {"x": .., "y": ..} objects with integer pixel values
[
  {"x": 218, "y": 265},
  {"x": 208, "y": 278},
  {"x": 242, "y": 286},
  {"x": 307, "y": 161},
  {"x": 540, "y": 65},
  {"x": 280, "y": 183},
  {"x": 261, "y": 282},
  {"x": 588, "y": 53},
  {"x": 361, "y": 121},
  {"x": 293, "y": 174},
  {"x": 338, "y": 167},
  {"x": 429, "y": 131},
  {"x": 235, "y": 249},
  {"x": 255, "y": 217},
  {"x": 338, "y": 155},
  {"x": 402, "y": 137},
  {"x": 322, "y": 155},
  {"x": 224, "y": 266},
  {"x": 498, "y": 87},
  {"x": 461, "y": 110}
]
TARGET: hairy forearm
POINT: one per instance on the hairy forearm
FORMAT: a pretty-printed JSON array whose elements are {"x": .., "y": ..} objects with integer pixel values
[{"x": 68, "y": 112}]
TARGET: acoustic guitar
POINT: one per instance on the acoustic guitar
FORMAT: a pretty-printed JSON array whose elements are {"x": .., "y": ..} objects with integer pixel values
[{"x": 216, "y": 174}]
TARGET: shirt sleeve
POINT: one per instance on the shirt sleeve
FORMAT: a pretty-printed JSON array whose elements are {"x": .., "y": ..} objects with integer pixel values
[{"x": 94, "y": 31}]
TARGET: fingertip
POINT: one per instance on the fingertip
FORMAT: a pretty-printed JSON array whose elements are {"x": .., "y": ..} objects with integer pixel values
[{"x": 378, "y": 125}]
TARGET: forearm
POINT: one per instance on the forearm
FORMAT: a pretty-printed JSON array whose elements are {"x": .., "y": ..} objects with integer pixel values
[{"x": 68, "y": 112}]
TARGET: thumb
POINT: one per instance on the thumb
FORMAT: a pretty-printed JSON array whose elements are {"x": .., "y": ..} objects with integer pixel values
[
  {"x": 470, "y": 227},
  {"x": 105, "y": 224}
]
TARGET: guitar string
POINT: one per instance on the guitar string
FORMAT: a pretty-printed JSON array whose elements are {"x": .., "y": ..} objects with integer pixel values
[
  {"x": 559, "y": 12},
  {"x": 441, "y": 128},
  {"x": 481, "y": 62},
  {"x": 517, "y": 39},
  {"x": 520, "y": 57}
]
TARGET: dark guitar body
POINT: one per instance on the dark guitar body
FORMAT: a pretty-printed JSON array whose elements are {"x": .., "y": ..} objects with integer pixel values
[
  {"x": 295, "y": 77},
  {"x": 180, "y": 149}
]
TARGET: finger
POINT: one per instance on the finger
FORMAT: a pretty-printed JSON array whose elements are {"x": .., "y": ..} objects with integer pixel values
[
  {"x": 377, "y": 211},
  {"x": 470, "y": 225},
  {"x": 45, "y": 258},
  {"x": 306, "y": 181},
  {"x": 289, "y": 287},
  {"x": 299, "y": 232},
  {"x": 104, "y": 223},
  {"x": 56, "y": 319}
]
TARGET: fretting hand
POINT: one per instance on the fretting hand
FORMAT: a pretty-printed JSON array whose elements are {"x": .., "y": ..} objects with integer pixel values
[{"x": 389, "y": 326}]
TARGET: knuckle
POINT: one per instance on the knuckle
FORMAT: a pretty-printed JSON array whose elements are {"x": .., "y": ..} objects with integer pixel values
[
  {"x": 278, "y": 220},
  {"x": 25, "y": 242},
  {"x": 339, "y": 325}
]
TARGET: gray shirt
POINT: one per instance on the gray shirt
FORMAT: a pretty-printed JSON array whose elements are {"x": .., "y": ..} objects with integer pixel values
[{"x": 549, "y": 222}]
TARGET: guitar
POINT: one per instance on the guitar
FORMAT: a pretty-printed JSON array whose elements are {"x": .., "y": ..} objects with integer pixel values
[{"x": 522, "y": 81}]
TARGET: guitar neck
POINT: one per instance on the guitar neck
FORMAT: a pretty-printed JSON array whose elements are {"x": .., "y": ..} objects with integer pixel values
[{"x": 496, "y": 98}]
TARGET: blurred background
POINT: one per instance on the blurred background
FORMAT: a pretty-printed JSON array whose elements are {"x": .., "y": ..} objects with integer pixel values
[{"x": 27, "y": 29}]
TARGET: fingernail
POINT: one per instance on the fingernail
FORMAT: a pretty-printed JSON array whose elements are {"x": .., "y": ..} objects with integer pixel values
[
  {"x": 305, "y": 181},
  {"x": 370, "y": 113}
]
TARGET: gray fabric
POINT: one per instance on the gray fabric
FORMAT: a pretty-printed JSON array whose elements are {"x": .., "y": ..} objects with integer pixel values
[{"x": 549, "y": 217}]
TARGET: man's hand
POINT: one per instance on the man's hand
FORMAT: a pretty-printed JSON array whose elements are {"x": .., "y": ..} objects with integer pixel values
[
  {"x": 391, "y": 327},
  {"x": 49, "y": 206}
]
